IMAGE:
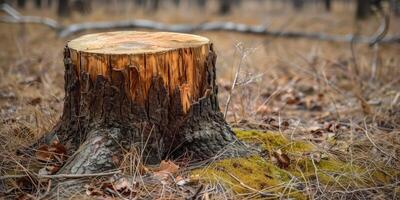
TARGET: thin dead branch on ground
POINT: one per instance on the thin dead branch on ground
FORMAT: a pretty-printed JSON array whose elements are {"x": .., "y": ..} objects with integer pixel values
[{"x": 64, "y": 31}]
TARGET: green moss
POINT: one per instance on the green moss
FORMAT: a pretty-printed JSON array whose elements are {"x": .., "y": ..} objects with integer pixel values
[
  {"x": 247, "y": 175},
  {"x": 272, "y": 141}
]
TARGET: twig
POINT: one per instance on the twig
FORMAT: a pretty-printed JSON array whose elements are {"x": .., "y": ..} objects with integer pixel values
[
  {"x": 376, "y": 146},
  {"x": 68, "y": 30},
  {"x": 196, "y": 194},
  {"x": 215, "y": 26},
  {"x": 315, "y": 172},
  {"x": 375, "y": 60},
  {"x": 263, "y": 194},
  {"x": 393, "y": 185},
  {"x": 383, "y": 28},
  {"x": 79, "y": 175},
  {"x": 16, "y": 17},
  {"x": 62, "y": 175},
  {"x": 10, "y": 11},
  {"x": 13, "y": 176},
  {"x": 228, "y": 101}
]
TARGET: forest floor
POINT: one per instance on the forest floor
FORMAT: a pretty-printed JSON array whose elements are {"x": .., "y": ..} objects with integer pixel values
[{"x": 325, "y": 115}]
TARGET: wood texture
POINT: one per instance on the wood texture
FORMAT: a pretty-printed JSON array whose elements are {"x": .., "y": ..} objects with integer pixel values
[{"x": 152, "y": 91}]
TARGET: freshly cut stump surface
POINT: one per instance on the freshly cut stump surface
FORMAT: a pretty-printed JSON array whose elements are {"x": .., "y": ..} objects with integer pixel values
[{"x": 154, "y": 91}]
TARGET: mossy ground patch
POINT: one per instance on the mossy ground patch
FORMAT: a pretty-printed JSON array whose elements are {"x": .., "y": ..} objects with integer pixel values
[{"x": 308, "y": 170}]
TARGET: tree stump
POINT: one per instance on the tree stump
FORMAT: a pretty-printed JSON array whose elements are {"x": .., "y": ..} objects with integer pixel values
[{"x": 155, "y": 91}]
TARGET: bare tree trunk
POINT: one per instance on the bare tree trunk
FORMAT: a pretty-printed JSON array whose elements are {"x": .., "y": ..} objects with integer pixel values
[
  {"x": 176, "y": 2},
  {"x": 154, "y": 4},
  {"x": 21, "y": 3},
  {"x": 139, "y": 2},
  {"x": 328, "y": 5},
  {"x": 83, "y": 6},
  {"x": 49, "y": 3},
  {"x": 155, "y": 91},
  {"x": 363, "y": 9},
  {"x": 225, "y": 7},
  {"x": 395, "y": 7},
  {"x": 298, "y": 4},
  {"x": 63, "y": 9},
  {"x": 38, "y": 3},
  {"x": 202, "y": 3}
]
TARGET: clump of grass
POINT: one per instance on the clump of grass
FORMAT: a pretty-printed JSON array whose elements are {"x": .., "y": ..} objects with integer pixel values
[{"x": 309, "y": 172}]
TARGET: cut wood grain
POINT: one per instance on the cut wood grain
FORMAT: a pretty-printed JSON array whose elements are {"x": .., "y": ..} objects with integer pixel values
[{"x": 153, "y": 91}]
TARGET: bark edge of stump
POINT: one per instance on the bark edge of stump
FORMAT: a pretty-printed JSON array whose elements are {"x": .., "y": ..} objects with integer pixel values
[{"x": 152, "y": 91}]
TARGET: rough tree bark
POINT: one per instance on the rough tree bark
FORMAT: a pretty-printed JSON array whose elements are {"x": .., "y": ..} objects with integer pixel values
[
  {"x": 363, "y": 9},
  {"x": 154, "y": 91}
]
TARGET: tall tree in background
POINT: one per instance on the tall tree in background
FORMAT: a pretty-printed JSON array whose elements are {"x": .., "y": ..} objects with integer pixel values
[
  {"x": 83, "y": 6},
  {"x": 139, "y": 2},
  {"x": 328, "y": 5},
  {"x": 225, "y": 7},
  {"x": 201, "y": 3},
  {"x": 363, "y": 9},
  {"x": 38, "y": 3},
  {"x": 395, "y": 6},
  {"x": 49, "y": 3},
  {"x": 149, "y": 4},
  {"x": 21, "y": 3},
  {"x": 176, "y": 2},
  {"x": 298, "y": 4},
  {"x": 154, "y": 4},
  {"x": 63, "y": 9}
]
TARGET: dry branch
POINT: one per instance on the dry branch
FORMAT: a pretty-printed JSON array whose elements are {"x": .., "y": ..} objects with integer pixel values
[
  {"x": 68, "y": 30},
  {"x": 15, "y": 17}
]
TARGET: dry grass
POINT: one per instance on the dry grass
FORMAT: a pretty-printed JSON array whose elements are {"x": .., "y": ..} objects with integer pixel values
[{"x": 322, "y": 92}]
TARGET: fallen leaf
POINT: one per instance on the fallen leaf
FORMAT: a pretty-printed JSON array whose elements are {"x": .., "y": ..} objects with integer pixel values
[
  {"x": 31, "y": 79},
  {"x": 43, "y": 154},
  {"x": 290, "y": 99},
  {"x": 124, "y": 186},
  {"x": 263, "y": 110},
  {"x": 316, "y": 157},
  {"x": 92, "y": 191},
  {"x": 52, "y": 169},
  {"x": 162, "y": 176},
  {"x": 316, "y": 131},
  {"x": 165, "y": 171},
  {"x": 168, "y": 166},
  {"x": 25, "y": 196},
  {"x": 55, "y": 152},
  {"x": 180, "y": 181},
  {"x": 35, "y": 101},
  {"x": 43, "y": 171},
  {"x": 143, "y": 169},
  {"x": 282, "y": 159}
]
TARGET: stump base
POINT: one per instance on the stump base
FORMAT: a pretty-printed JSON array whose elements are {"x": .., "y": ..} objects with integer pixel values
[{"x": 162, "y": 101}]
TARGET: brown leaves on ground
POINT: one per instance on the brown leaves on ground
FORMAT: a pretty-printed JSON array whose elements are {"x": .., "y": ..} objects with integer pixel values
[
  {"x": 116, "y": 186},
  {"x": 54, "y": 155},
  {"x": 166, "y": 170},
  {"x": 125, "y": 186},
  {"x": 322, "y": 132},
  {"x": 281, "y": 159},
  {"x": 53, "y": 152}
]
